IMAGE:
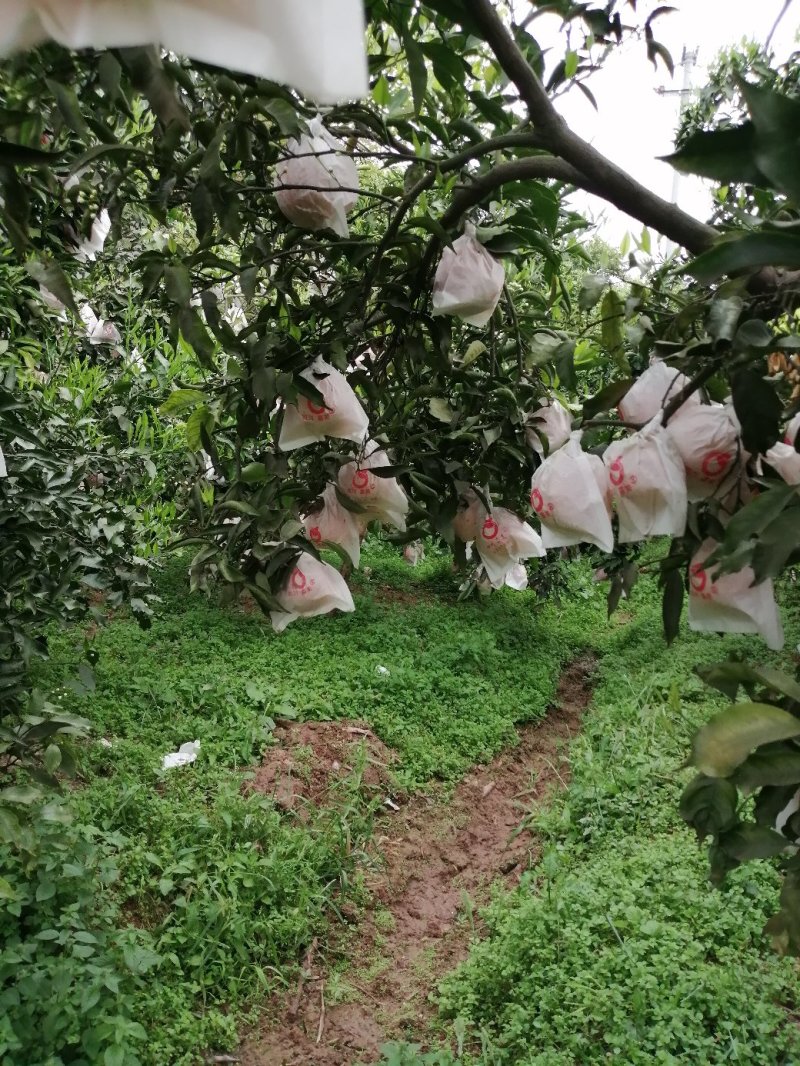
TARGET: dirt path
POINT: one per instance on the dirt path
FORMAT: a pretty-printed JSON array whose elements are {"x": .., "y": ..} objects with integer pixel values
[{"x": 438, "y": 864}]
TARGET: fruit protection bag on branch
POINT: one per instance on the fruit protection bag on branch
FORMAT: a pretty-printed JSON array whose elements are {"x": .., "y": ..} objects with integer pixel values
[
  {"x": 503, "y": 542},
  {"x": 551, "y": 421},
  {"x": 381, "y": 498},
  {"x": 468, "y": 281},
  {"x": 648, "y": 484},
  {"x": 731, "y": 603},
  {"x": 340, "y": 414},
  {"x": 707, "y": 439},
  {"x": 334, "y": 524},
  {"x": 321, "y": 182},
  {"x": 568, "y": 500},
  {"x": 317, "y": 46},
  {"x": 312, "y": 588},
  {"x": 652, "y": 391}
]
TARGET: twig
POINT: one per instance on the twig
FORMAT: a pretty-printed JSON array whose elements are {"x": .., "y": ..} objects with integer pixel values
[
  {"x": 304, "y": 971},
  {"x": 321, "y": 1012},
  {"x": 689, "y": 389}
]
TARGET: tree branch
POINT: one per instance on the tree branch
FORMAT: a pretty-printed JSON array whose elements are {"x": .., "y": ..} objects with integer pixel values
[
  {"x": 539, "y": 167},
  {"x": 611, "y": 182}
]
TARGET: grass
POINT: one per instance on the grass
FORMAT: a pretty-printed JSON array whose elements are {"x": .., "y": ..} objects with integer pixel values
[
  {"x": 176, "y": 900},
  {"x": 615, "y": 948}
]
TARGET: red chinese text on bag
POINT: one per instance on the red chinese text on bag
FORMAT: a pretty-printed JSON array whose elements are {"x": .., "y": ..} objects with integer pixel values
[
  {"x": 312, "y": 588},
  {"x": 731, "y": 603},
  {"x": 567, "y": 499},
  {"x": 707, "y": 439},
  {"x": 382, "y": 498},
  {"x": 503, "y": 541},
  {"x": 340, "y": 415},
  {"x": 648, "y": 484}
]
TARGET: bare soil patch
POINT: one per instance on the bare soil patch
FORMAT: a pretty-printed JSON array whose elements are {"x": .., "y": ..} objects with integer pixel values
[{"x": 438, "y": 861}]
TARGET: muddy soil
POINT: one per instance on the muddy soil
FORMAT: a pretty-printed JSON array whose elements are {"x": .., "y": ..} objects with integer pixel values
[{"x": 436, "y": 864}]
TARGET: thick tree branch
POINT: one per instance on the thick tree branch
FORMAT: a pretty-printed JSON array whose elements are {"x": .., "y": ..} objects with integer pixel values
[
  {"x": 612, "y": 183},
  {"x": 539, "y": 167}
]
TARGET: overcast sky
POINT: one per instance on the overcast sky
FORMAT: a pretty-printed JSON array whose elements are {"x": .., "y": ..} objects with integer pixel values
[{"x": 635, "y": 124}]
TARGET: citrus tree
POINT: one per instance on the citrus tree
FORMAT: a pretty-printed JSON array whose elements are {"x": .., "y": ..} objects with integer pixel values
[{"x": 187, "y": 166}]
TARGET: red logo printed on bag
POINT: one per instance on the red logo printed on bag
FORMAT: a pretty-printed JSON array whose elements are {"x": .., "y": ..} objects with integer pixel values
[
  {"x": 618, "y": 479},
  {"x": 362, "y": 482},
  {"x": 315, "y": 534},
  {"x": 700, "y": 582},
  {"x": 715, "y": 464},
  {"x": 538, "y": 504},
  {"x": 490, "y": 529},
  {"x": 315, "y": 412},
  {"x": 298, "y": 581}
]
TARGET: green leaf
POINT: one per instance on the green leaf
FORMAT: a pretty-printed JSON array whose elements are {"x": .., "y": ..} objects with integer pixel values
[
  {"x": 606, "y": 399},
  {"x": 52, "y": 758},
  {"x": 24, "y": 794},
  {"x": 723, "y": 314},
  {"x": 708, "y": 805},
  {"x": 776, "y": 118},
  {"x": 140, "y": 959},
  {"x": 284, "y": 114},
  {"x": 99, "y": 150},
  {"x": 565, "y": 365},
  {"x": 777, "y": 764},
  {"x": 758, "y": 408},
  {"x": 752, "y": 842},
  {"x": 441, "y": 409},
  {"x": 69, "y": 107},
  {"x": 612, "y": 310},
  {"x": 672, "y": 604},
  {"x": 473, "y": 352},
  {"x": 726, "y": 741},
  {"x": 49, "y": 274},
  {"x": 254, "y": 472},
  {"x": 417, "y": 70},
  {"x": 196, "y": 334},
  {"x": 591, "y": 290},
  {"x": 200, "y": 418},
  {"x": 727, "y": 156},
  {"x": 181, "y": 400},
  {"x": 20, "y": 155},
  {"x": 178, "y": 283},
  {"x": 749, "y": 252}
]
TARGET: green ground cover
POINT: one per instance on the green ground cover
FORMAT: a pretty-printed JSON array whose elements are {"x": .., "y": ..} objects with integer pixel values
[{"x": 174, "y": 901}]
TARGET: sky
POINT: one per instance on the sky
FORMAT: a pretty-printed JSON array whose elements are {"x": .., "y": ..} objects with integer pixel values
[{"x": 635, "y": 124}]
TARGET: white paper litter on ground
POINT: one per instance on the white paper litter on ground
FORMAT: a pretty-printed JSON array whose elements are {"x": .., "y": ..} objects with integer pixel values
[{"x": 186, "y": 753}]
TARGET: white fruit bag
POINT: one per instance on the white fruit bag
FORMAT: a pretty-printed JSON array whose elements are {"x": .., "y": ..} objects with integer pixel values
[
  {"x": 340, "y": 416},
  {"x": 334, "y": 524},
  {"x": 316, "y": 160},
  {"x": 517, "y": 578},
  {"x": 792, "y": 431},
  {"x": 568, "y": 502},
  {"x": 317, "y": 46},
  {"x": 3, "y": 467},
  {"x": 503, "y": 541},
  {"x": 732, "y": 603},
  {"x": 89, "y": 249},
  {"x": 648, "y": 484},
  {"x": 652, "y": 391},
  {"x": 554, "y": 422},
  {"x": 468, "y": 281},
  {"x": 786, "y": 461},
  {"x": 600, "y": 475},
  {"x": 469, "y": 517},
  {"x": 312, "y": 588},
  {"x": 707, "y": 439},
  {"x": 382, "y": 498}
]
